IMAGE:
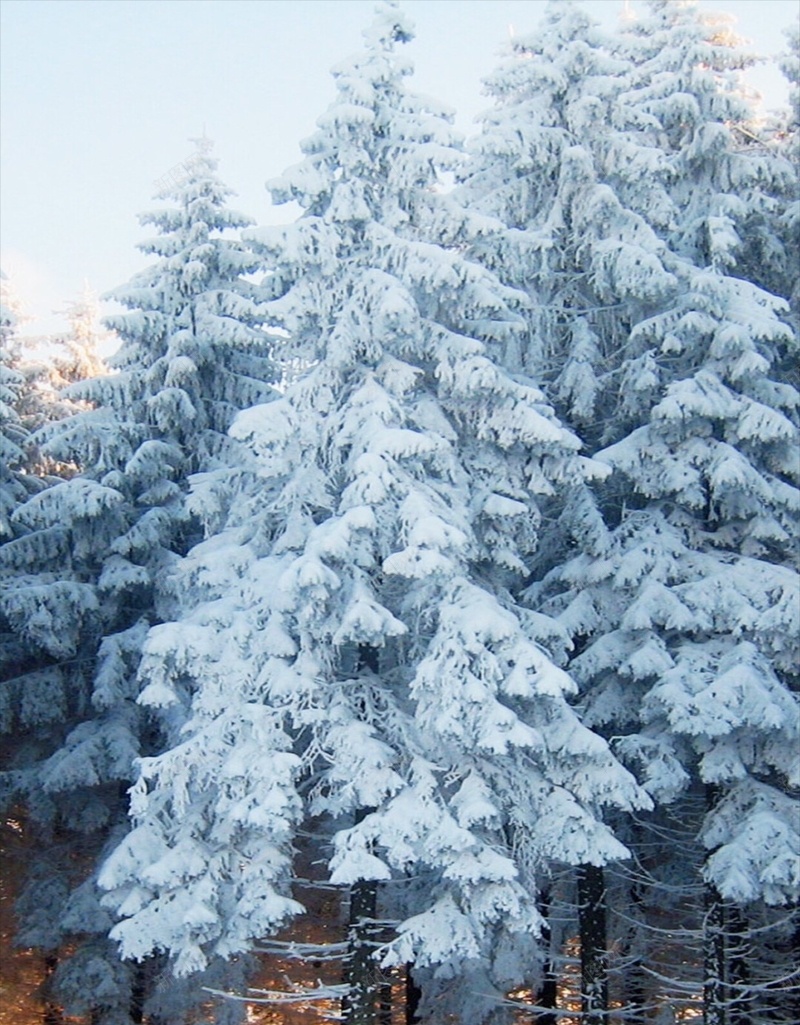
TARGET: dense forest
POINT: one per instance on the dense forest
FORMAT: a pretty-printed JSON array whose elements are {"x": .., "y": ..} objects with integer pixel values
[{"x": 403, "y": 626}]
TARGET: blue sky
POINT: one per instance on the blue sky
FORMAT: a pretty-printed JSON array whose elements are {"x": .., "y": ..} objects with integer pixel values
[{"x": 100, "y": 97}]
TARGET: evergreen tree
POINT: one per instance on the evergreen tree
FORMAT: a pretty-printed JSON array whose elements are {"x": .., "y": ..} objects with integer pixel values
[
  {"x": 67, "y": 359},
  {"x": 633, "y": 192},
  {"x": 683, "y": 606},
  {"x": 789, "y": 212},
  {"x": 84, "y": 339},
  {"x": 353, "y": 654},
  {"x": 581, "y": 195},
  {"x": 730, "y": 185},
  {"x": 14, "y": 485},
  {"x": 562, "y": 164},
  {"x": 80, "y": 585}
]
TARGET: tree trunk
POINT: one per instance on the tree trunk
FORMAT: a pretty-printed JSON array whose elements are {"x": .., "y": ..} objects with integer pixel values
[
  {"x": 635, "y": 993},
  {"x": 714, "y": 1006},
  {"x": 635, "y": 982},
  {"x": 548, "y": 997},
  {"x": 413, "y": 997},
  {"x": 385, "y": 1004},
  {"x": 139, "y": 992},
  {"x": 738, "y": 977},
  {"x": 547, "y": 994},
  {"x": 714, "y": 952},
  {"x": 360, "y": 1006},
  {"x": 592, "y": 925},
  {"x": 52, "y": 1014}
]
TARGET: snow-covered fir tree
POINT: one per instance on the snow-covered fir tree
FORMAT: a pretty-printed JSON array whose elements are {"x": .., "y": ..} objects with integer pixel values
[
  {"x": 84, "y": 339},
  {"x": 682, "y": 603},
  {"x": 581, "y": 195},
  {"x": 382, "y": 621},
  {"x": 621, "y": 172},
  {"x": 561, "y": 163},
  {"x": 789, "y": 215},
  {"x": 52, "y": 364},
  {"x": 351, "y": 651},
  {"x": 80, "y": 584},
  {"x": 729, "y": 182},
  {"x": 75, "y": 355},
  {"x": 15, "y": 487}
]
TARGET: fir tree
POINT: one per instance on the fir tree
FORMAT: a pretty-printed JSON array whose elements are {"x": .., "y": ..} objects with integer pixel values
[
  {"x": 80, "y": 584},
  {"x": 562, "y": 164},
  {"x": 580, "y": 194},
  {"x": 67, "y": 359},
  {"x": 15, "y": 487},
  {"x": 789, "y": 212},
  {"x": 683, "y": 605},
  {"x": 358, "y": 605},
  {"x": 633, "y": 192},
  {"x": 729, "y": 183}
]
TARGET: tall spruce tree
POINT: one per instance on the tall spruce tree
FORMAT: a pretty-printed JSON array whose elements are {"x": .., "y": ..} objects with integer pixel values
[
  {"x": 80, "y": 584},
  {"x": 580, "y": 193},
  {"x": 633, "y": 196},
  {"x": 683, "y": 609},
  {"x": 355, "y": 656}
]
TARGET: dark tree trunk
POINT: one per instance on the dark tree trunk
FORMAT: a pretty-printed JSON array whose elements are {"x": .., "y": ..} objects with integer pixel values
[
  {"x": 738, "y": 969},
  {"x": 714, "y": 1003},
  {"x": 413, "y": 997},
  {"x": 635, "y": 983},
  {"x": 360, "y": 1006},
  {"x": 635, "y": 996},
  {"x": 139, "y": 992},
  {"x": 385, "y": 1005},
  {"x": 592, "y": 925},
  {"x": 52, "y": 1014},
  {"x": 714, "y": 946},
  {"x": 547, "y": 995}
]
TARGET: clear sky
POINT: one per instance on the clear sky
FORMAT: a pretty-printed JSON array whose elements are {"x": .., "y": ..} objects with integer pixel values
[{"x": 99, "y": 99}]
